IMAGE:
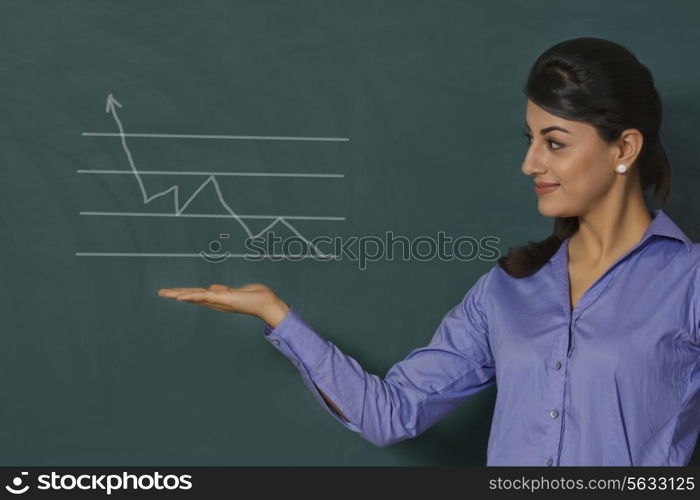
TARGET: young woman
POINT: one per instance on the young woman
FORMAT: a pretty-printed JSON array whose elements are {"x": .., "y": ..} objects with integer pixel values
[{"x": 592, "y": 334}]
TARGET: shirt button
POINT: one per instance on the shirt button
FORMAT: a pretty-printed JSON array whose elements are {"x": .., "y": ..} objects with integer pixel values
[
  {"x": 296, "y": 362},
  {"x": 275, "y": 342},
  {"x": 557, "y": 365},
  {"x": 554, "y": 413},
  {"x": 550, "y": 461}
]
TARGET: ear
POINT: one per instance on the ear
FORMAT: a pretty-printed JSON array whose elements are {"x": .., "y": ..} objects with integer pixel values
[{"x": 629, "y": 145}]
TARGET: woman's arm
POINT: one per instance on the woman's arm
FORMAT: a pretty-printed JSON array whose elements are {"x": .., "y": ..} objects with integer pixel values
[{"x": 415, "y": 393}]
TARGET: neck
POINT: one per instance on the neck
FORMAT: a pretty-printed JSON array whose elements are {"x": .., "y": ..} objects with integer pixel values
[{"x": 609, "y": 230}]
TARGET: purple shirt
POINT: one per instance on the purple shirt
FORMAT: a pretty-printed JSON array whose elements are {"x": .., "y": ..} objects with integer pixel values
[{"x": 616, "y": 381}]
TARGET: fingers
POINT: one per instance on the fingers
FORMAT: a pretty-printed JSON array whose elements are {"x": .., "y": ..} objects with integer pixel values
[
  {"x": 196, "y": 296},
  {"x": 216, "y": 287},
  {"x": 174, "y": 292},
  {"x": 217, "y": 297},
  {"x": 185, "y": 289},
  {"x": 202, "y": 297},
  {"x": 247, "y": 299},
  {"x": 202, "y": 301}
]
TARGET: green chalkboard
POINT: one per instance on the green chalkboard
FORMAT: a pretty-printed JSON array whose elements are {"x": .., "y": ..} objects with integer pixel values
[{"x": 142, "y": 140}]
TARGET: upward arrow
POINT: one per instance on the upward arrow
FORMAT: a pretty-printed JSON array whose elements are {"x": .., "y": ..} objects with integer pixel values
[{"x": 111, "y": 102}]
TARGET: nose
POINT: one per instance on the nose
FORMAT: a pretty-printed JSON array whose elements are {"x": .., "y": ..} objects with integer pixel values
[{"x": 530, "y": 165}]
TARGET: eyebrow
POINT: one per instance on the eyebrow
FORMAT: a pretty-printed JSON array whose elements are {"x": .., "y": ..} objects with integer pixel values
[{"x": 549, "y": 129}]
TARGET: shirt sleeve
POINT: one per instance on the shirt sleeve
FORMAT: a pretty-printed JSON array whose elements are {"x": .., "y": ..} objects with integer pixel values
[{"x": 416, "y": 391}]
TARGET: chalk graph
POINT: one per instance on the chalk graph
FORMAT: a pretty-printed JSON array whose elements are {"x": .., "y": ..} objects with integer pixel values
[{"x": 211, "y": 178}]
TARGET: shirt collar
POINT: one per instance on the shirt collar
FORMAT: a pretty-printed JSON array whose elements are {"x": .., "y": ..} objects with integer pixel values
[{"x": 662, "y": 225}]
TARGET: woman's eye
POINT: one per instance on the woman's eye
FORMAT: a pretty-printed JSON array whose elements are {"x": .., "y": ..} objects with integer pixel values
[{"x": 529, "y": 141}]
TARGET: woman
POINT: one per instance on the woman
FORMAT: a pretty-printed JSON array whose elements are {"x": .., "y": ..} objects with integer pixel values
[{"x": 592, "y": 334}]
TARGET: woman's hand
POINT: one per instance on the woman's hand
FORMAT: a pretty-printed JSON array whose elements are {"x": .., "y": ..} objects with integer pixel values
[{"x": 254, "y": 299}]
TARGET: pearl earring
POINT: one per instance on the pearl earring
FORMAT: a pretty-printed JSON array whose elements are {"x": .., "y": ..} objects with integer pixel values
[{"x": 621, "y": 169}]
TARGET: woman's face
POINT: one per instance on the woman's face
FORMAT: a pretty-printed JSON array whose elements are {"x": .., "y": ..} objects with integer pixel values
[{"x": 575, "y": 158}]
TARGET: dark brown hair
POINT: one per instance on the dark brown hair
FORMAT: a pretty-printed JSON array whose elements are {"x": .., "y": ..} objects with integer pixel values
[{"x": 599, "y": 82}]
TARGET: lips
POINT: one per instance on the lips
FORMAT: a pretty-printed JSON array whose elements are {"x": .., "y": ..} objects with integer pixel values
[{"x": 545, "y": 187}]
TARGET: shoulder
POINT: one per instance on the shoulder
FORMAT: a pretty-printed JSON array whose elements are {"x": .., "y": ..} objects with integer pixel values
[
  {"x": 496, "y": 286},
  {"x": 486, "y": 281},
  {"x": 478, "y": 289}
]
